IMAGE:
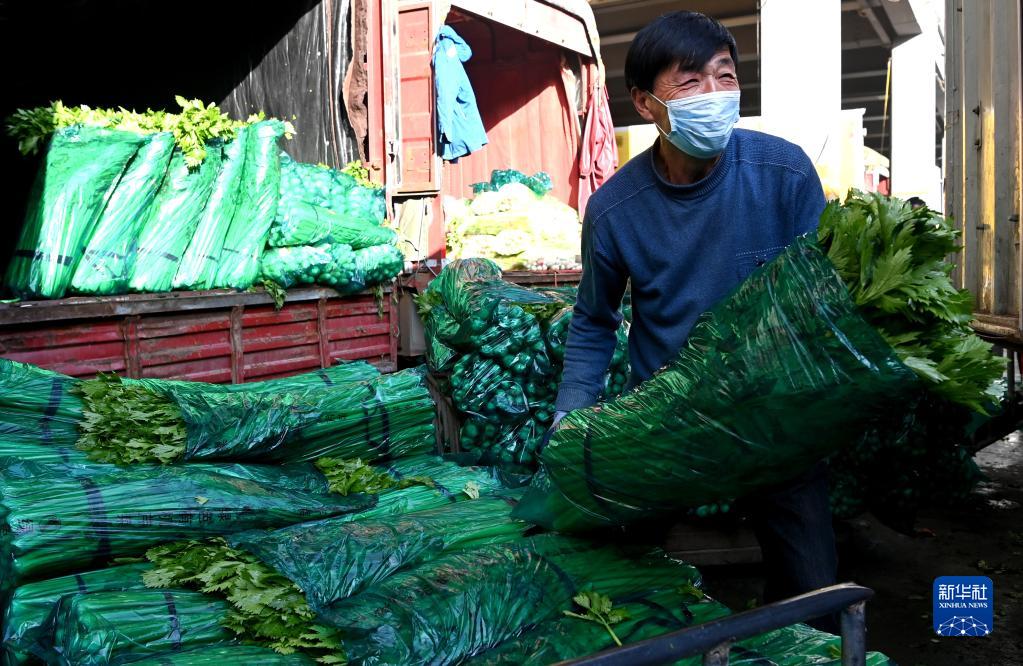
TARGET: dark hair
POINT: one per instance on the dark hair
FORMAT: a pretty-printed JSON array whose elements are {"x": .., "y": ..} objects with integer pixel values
[
  {"x": 916, "y": 202},
  {"x": 680, "y": 39}
]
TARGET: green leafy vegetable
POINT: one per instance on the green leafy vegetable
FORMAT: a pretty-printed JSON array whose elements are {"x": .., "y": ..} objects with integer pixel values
[
  {"x": 472, "y": 490},
  {"x": 893, "y": 258},
  {"x": 691, "y": 591},
  {"x": 359, "y": 172},
  {"x": 128, "y": 424},
  {"x": 598, "y": 608},
  {"x": 355, "y": 476},
  {"x": 267, "y": 608}
]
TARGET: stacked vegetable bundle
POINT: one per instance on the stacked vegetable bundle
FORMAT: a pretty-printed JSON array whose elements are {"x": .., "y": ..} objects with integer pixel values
[
  {"x": 328, "y": 231},
  {"x": 410, "y": 560},
  {"x": 804, "y": 360},
  {"x": 145, "y": 202},
  {"x": 502, "y": 345},
  {"x": 154, "y": 201}
]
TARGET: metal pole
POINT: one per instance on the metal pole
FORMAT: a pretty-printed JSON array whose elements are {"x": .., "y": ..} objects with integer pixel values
[
  {"x": 717, "y": 655},
  {"x": 854, "y": 634}
]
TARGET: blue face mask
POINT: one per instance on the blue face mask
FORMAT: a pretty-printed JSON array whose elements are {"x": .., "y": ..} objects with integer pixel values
[{"x": 701, "y": 125}]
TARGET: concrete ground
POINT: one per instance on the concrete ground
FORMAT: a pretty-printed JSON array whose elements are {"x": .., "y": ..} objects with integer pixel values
[{"x": 983, "y": 536}]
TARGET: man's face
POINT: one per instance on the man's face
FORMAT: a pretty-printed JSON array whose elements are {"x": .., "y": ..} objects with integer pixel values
[{"x": 676, "y": 83}]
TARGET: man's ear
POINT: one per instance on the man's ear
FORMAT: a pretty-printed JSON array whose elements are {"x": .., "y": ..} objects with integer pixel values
[{"x": 640, "y": 100}]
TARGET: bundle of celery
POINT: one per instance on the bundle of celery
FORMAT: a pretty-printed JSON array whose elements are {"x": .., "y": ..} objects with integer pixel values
[
  {"x": 449, "y": 609},
  {"x": 230, "y": 655},
  {"x": 119, "y": 627},
  {"x": 25, "y": 624},
  {"x": 128, "y": 422},
  {"x": 503, "y": 345},
  {"x": 277, "y": 581},
  {"x": 60, "y": 518},
  {"x": 121, "y": 196}
]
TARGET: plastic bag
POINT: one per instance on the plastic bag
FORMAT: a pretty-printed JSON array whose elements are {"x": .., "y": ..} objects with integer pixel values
[
  {"x": 37, "y": 406},
  {"x": 107, "y": 512},
  {"x": 178, "y": 207},
  {"x": 540, "y": 182},
  {"x": 459, "y": 605},
  {"x": 388, "y": 416},
  {"x": 229, "y": 655},
  {"x": 246, "y": 236},
  {"x": 79, "y": 173},
  {"x": 779, "y": 375},
  {"x": 330, "y": 560},
  {"x": 308, "y": 224},
  {"x": 199, "y": 264},
  {"x": 330, "y": 265},
  {"x": 120, "y": 627},
  {"x": 654, "y": 613},
  {"x": 109, "y": 258},
  {"x": 25, "y": 624}
]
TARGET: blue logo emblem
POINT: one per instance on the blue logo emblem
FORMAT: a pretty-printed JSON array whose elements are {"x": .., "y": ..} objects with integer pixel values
[{"x": 964, "y": 606}]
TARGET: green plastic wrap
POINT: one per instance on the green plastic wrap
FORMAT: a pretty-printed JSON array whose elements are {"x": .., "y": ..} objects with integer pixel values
[
  {"x": 25, "y": 631},
  {"x": 779, "y": 375},
  {"x": 540, "y": 182},
  {"x": 464, "y": 603},
  {"x": 390, "y": 416},
  {"x": 103, "y": 628},
  {"x": 336, "y": 375},
  {"x": 36, "y": 406},
  {"x": 451, "y": 483},
  {"x": 504, "y": 346},
  {"x": 109, "y": 258},
  {"x": 654, "y": 613},
  {"x": 229, "y": 655},
  {"x": 303, "y": 223},
  {"x": 198, "y": 266},
  {"x": 74, "y": 183},
  {"x": 178, "y": 207},
  {"x": 48, "y": 454},
  {"x": 331, "y": 560},
  {"x": 107, "y": 512},
  {"x": 246, "y": 236}
]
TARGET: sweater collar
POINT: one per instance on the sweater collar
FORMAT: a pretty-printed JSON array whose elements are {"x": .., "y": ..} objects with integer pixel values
[{"x": 700, "y": 187}]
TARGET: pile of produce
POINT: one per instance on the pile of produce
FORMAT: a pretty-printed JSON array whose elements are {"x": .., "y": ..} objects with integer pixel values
[
  {"x": 516, "y": 223},
  {"x": 328, "y": 231},
  {"x": 502, "y": 347},
  {"x": 809, "y": 357},
  {"x": 155, "y": 201},
  {"x": 412, "y": 559}
]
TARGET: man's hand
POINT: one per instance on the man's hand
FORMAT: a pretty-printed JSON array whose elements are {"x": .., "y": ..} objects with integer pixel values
[{"x": 550, "y": 431}]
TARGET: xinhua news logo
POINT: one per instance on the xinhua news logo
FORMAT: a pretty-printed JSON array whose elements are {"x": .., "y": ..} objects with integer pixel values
[{"x": 964, "y": 606}]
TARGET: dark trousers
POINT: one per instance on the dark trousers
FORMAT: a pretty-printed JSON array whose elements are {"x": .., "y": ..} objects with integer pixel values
[{"x": 793, "y": 525}]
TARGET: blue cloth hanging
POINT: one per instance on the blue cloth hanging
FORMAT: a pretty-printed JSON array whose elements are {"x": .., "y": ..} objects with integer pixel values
[{"x": 459, "y": 126}]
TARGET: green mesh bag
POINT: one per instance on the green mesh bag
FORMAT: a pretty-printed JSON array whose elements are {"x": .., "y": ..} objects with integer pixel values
[
  {"x": 779, "y": 375},
  {"x": 107, "y": 512},
  {"x": 330, "y": 265},
  {"x": 199, "y": 264},
  {"x": 121, "y": 627},
  {"x": 503, "y": 345},
  {"x": 80, "y": 171},
  {"x": 238, "y": 266},
  {"x": 178, "y": 207},
  {"x": 25, "y": 632},
  {"x": 109, "y": 258}
]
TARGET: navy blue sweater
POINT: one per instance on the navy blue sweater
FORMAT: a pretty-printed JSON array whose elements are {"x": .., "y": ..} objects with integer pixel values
[{"x": 684, "y": 248}]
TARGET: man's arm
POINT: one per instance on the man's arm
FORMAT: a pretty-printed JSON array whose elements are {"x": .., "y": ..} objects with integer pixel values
[{"x": 591, "y": 335}]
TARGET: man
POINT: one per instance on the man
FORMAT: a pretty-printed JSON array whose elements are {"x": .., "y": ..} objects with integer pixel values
[{"x": 685, "y": 222}]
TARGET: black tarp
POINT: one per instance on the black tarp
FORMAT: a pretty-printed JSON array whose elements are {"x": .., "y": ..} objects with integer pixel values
[{"x": 288, "y": 59}]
